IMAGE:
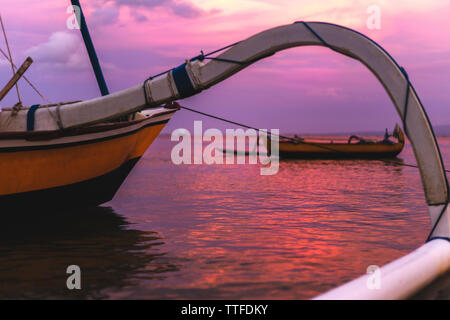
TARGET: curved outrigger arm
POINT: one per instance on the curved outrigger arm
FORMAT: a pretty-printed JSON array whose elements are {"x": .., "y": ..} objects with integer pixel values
[{"x": 198, "y": 74}]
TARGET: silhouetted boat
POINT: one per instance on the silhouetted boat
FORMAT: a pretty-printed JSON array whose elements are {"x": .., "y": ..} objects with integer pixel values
[{"x": 354, "y": 147}]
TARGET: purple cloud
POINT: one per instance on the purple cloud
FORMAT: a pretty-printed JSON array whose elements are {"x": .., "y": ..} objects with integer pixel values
[
  {"x": 180, "y": 8},
  {"x": 105, "y": 16}
]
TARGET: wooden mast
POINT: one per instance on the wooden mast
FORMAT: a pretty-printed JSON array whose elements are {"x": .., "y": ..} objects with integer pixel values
[{"x": 91, "y": 50}]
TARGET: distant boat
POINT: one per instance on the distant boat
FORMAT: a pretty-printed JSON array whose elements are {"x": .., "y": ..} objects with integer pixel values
[{"x": 354, "y": 147}]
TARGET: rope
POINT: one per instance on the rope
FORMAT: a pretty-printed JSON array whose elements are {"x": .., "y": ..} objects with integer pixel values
[
  {"x": 405, "y": 108},
  {"x": 26, "y": 79},
  {"x": 10, "y": 58},
  {"x": 288, "y": 138},
  {"x": 203, "y": 56},
  {"x": 200, "y": 57},
  {"x": 322, "y": 40}
]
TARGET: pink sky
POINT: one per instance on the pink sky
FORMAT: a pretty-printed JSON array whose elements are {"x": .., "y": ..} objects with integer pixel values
[{"x": 304, "y": 90}]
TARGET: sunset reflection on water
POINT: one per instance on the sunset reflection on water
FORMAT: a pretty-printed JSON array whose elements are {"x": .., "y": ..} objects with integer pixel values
[
  {"x": 237, "y": 234},
  {"x": 221, "y": 231}
]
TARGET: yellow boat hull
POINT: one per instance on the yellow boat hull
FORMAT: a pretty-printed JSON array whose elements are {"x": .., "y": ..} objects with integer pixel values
[
  {"x": 300, "y": 148},
  {"x": 339, "y": 150},
  {"x": 75, "y": 169}
]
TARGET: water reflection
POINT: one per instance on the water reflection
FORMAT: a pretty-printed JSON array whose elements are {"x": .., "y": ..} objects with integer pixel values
[
  {"x": 293, "y": 235},
  {"x": 36, "y": 248}
]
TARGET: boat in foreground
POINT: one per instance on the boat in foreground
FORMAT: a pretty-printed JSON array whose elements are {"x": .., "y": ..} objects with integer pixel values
[
  {"x": 74, "y": 167},
  {"x": 48, "y": 163}
]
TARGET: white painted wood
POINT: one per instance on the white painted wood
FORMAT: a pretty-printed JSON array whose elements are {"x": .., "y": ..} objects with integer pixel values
[
  {"x": 399, "y": 279},
  {"x": 441, "y": 220},
  {"x": 148, "y": 117}
]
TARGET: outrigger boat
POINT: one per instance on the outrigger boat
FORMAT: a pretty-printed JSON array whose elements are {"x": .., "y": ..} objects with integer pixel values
[
  {"x": 73, "y": 149},
  {"x": 354, "y": 147},
  {"x": 71, "y": 166},
  {"x": 51, "y": 157}
]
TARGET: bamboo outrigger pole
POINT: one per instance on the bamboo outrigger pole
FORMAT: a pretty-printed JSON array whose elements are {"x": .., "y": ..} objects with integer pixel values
[
  {"x": 91, "y": 51},
  {"x": 11, "y": 83}
]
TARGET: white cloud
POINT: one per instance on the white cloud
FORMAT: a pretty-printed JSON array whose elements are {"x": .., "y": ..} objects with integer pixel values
[{"x": 63, "y": 50}]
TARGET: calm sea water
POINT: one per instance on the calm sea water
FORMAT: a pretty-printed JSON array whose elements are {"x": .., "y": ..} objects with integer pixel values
[{"x": 221, "y": 232}]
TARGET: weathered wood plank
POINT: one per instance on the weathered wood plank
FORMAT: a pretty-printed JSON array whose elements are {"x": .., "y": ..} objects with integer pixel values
[{"x": 16, "y": 77}]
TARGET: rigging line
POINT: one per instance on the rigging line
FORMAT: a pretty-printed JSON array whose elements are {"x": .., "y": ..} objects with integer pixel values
[
  {"x": 223, "y": 48},
  {"x": 10, "y": 57},
  {"x": 26, "y": 79},
  {"x": 289, "y": 138},
  {"x": 201, "y": 57}
]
